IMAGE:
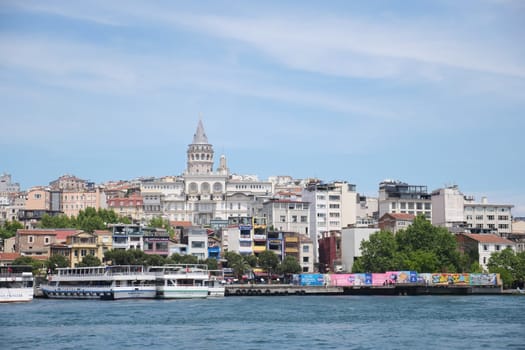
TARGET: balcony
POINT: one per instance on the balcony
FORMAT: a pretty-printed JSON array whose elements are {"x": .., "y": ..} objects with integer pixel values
[
  {"x": 259, "y": 249},
  {"x": 259, "y": 237},
  {"x": 291, "y": 239}
]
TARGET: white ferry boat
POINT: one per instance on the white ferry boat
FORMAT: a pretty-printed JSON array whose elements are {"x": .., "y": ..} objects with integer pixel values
[
  {"x": 101, "y": 282},
  {"x": 16, "y": 283},
  {"x": 181, "y": 281}
]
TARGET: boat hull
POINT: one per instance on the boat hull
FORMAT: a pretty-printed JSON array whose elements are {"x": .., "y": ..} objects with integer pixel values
[
  {"x": 99, "y": 293},
  {"x": 182, "y": 292},
  {"x": 16, "y": 295}
]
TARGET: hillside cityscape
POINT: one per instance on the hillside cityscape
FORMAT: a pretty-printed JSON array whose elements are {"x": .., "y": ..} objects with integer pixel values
[{"x": 208, "y": 213}]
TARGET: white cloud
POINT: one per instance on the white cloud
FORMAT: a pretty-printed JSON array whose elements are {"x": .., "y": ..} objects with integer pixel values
[{"x": 358, "y": 48}]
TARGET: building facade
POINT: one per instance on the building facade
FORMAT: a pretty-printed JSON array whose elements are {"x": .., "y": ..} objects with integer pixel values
[{"x": 400, "y": 197}]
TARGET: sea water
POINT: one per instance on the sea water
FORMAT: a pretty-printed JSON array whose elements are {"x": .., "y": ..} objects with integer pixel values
[{"x": 276, "y": 322}]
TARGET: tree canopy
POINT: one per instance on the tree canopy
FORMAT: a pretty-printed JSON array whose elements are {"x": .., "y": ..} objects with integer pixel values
[
  {"x": 88, "y": 220},
  {"x": 510, "y": 266},
  {"x": 420, "y": 247},
  {"x": 8, "y": 229}
]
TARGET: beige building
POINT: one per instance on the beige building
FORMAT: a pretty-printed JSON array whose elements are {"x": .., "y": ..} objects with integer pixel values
[
  {"x": 72, "y": 202},
  {"x": 82, "y": 244},
  {"x": 38, "y": 198},
  {"x": 131, "y": 207},
  {"x": 395, "y": 222},
  {"x": 35, "y": 242}
]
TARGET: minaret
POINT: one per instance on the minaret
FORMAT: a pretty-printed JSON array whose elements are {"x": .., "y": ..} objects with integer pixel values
[
  {"x": 223, "y": 167},
  {"x": 200, "y": 153}
]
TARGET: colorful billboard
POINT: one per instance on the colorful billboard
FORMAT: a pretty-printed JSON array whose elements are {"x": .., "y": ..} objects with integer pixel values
[
  {"x": 450, "y": 278},
  {"x": 483, "y": 279},
  {"x": 402, "y": 276},
  {"x": 349, "y": 279},
  {"x": 312, "y": 279}
]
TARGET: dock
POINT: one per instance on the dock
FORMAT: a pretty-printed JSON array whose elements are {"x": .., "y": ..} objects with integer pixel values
[
  {"x": 279, "y": 289},
  {"x": 400, "y": 289}
]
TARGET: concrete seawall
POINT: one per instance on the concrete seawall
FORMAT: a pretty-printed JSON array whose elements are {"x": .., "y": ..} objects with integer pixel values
[{"x": 401, "y": 289}]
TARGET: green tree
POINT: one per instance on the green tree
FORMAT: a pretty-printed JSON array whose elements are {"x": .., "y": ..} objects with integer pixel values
[
  {"x": 9, "y": 228},
  {"x": 27, "y": 260},
  {"x": 89, "y": 260},
  {"x": 57, "y": 221},
  {"x": 378, "y": 253},
  {"x": 436, "y": 246},
  {"x": 289, "y": 266},
  {"x": 237, "y": 263},
  {"x": 159, "y": 222},
  {"x": 212, "y": 264},
  {"x": 155, "y": 260},
  {"x": 269, "y": 261},
  {"x": 509, "y": 265},
  {"x": 55, "y": 261},
  {"x": 251, "y": 260}
]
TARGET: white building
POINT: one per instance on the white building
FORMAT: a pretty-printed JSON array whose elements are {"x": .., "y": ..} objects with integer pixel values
[
  {"x": 332, "y": 207},
  {"x": 488, "y": 218},
  {"x": 448, "y": 208},
  {"x": 287, "y": 215},
  {"x": 198, "y": 243},
  {"x": 484, "y": 244},
  {"x": 351, "y": 239},
  {"x": 400, "y": 197}
]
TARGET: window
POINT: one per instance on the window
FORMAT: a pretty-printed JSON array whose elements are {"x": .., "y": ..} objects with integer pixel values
[
  {"x": 83, "y": 252},
  {"x": 490, "y": 217},
  {"x": 306, "y": 249},
  {"x": 403, "y": 205},
  {"x": 282, "y": 218},
  {"x": 411, "y": 205},
  {"x": 485, "y": 247},
  {"x": 294, "y": 218},
  {"x": 30, "y": 239},
  {"x": 46, "y": 240},
  {"x": 197, "y": 244},
  {"x": 497, "y": 247},
  {"x": 305, "y": 259},
  {"x": 304, "y": 218},
  {"x": 479, "y": 217},
  {"x": 419, "y": 206},
  {"x": 427, "y": 206}
]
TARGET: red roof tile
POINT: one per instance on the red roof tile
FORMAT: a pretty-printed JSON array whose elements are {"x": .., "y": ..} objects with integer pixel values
[
  {"x": 9, "y": 256},
  {"x": 488, "y": 238}
]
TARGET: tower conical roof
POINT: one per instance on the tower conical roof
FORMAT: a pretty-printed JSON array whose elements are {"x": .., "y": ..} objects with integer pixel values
[{"x": 200, "y": 136}]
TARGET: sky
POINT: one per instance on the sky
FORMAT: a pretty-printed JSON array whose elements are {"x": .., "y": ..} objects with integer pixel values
[{"x": 425, "y": 92}]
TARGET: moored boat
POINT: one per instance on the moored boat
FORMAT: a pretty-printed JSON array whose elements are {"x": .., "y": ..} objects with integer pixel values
[
  {"x": 216, "y": 283},
  {"x": 101, "y": 282},
  {"x": 16, "y": 283},
  {"x": 181, "y": 281}
]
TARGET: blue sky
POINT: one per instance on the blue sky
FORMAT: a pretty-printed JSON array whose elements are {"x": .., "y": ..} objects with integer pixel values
[{"x": 427, "y": 92}]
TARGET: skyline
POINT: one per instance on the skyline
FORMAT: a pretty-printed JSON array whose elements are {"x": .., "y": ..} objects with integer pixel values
[{"x": 429, "y": 93}]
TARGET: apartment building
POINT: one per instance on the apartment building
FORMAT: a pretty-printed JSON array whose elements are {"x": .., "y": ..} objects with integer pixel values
[
  {"x": 287, "y": 215},
  {"x": 448, "y": 206},
  {"x": 395, "y": 222},
  {"x": 131, "y": 207},
  {"x": 332, "y": 207},
  {"x": 485, "y": 217},
  {"x": 400, "y": 197}
]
